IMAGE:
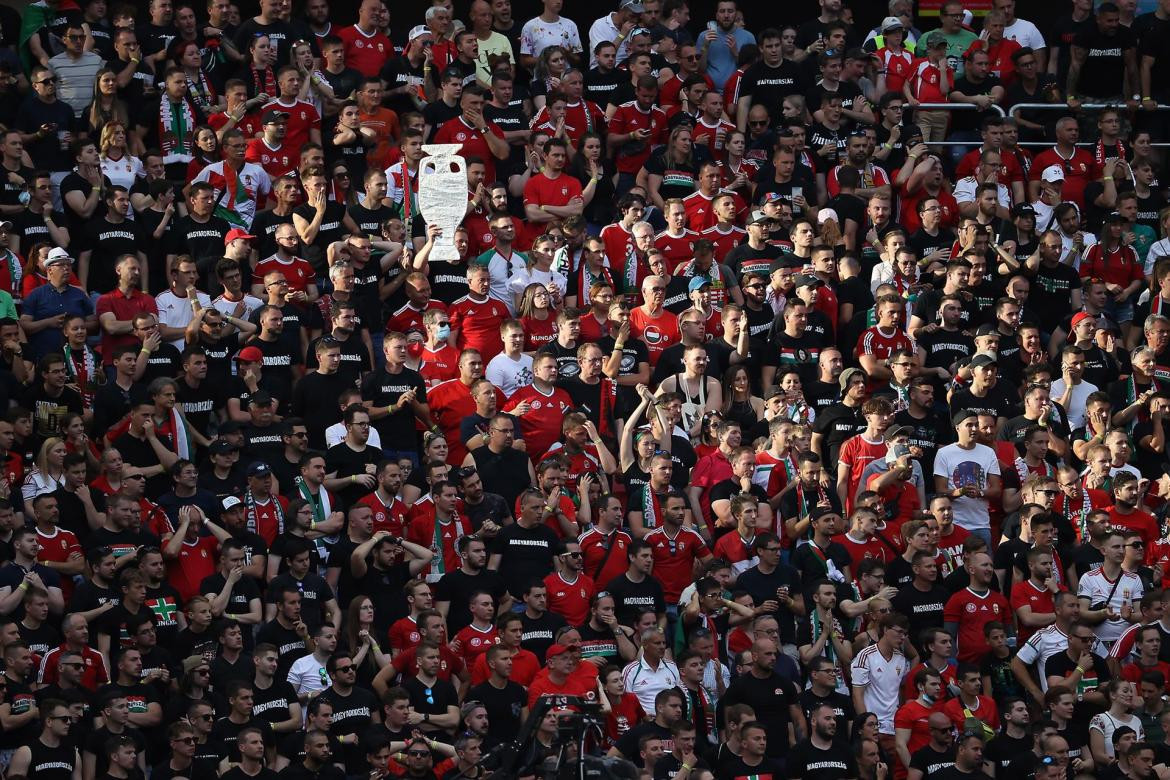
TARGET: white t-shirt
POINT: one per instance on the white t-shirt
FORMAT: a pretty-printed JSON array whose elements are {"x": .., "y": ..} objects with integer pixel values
[
  {"x": 537, "y": 34},
  {"x": 882, "y": 679},
  {"x": 605, "y": 30},
  {"x": 1096, "y": 587},
  {"x": 308, "y": 675},
  {"x": 335, "y": 434},
  {"x": 176, "y": 312},
  {"x": 963, "y": 467},
  {"x": 1075, "y": 409},
  {"x": 1107, "y": 724},
  {"x": 509, "y": 375},
  {"x": 1024, "y": 33},
  {"x": 965, "y": 192}
]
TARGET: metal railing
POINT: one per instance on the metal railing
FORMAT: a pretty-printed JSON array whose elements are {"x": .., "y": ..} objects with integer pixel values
[
  {"x": 952, "y": 107},
  {"x": 1015, "y": 110}
]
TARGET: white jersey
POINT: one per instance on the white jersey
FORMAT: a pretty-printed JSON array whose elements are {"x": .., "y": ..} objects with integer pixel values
[
  {"x": 646, "y": 683},
  {"x": 882, "y": 679},
  {"x": 1041, "y": 646},
  {"x": 509, "y": 375},
  {"x": 1096, "y": 587}
]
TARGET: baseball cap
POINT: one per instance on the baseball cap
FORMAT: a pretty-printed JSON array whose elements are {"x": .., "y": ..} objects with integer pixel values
[
  {"x": 555, "y": 650},
  {"x": 759, "y": 216},
  {"x": 260, "y": 398},
  {"x": 984, "y": 359},
  {"x": 785, "y": 261},
  {"x": 698, "y": 283},
  {"x": 847, "y": 375},
  {"x": 259, "y": 469},
  {"x": 236, "y": 233},
  {"x": 936, "y": 39},
  {"x": 896, "y": 452},
  {"x": 1023, "y": 210},
  {"x": 193, "y": 662},
  {"x": 58, "y": 255},
  {"x": 807, "y": 280},
  {"x": 228, "y": 426},
  {"x": 987, "y": 329},
  {"x": 272, "y": 115},
  {"x": 824, "y": 215},
  {"x": 231, "y": 502},
  {"x": 221, "y": 447},
  {"x": 1053, "y": 173},
  {"x": 1080, "y": 317},
  {"x": 1114, "y": 216},
  {"x": 963, "y": 414},
  {"x": 250, "y": 355},
  {"x": 634, "y": 6},
  {"x": 894, "y": 431},
  {"x": 892, "y": 23},
  {"x": 416, "y": 32},
  {"x": 5, "y": 225}
]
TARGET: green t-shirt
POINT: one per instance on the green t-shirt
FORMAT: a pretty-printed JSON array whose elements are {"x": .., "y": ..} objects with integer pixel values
[{"x": 957, "y": 46}]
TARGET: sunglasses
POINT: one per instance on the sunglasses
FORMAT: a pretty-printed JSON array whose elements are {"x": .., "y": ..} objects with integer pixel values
[{"x": 418, "y": 753}]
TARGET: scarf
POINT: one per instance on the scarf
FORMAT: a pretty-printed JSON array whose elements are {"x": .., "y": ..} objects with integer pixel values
[
  {"x": 1083, "y": 513},
  {"x": 651, "y": 508},
  {"x": 1158, "y": 305},
  {"x": 251, "y": 514},
  {"x": 176, "y": 429},
  {"x": 233, "y": 193},
  {"x": 200, "y": 92},
  {"x": 81, "y": 372},
  {"x": 176, "y": 121},
  {"x": 15, "y": 273},
  {"x": 263, "y": 81},
  {"x": 1101, "y": 152},
  {"x": 321, "y": 504},
  {"x": 34, "y": 17},
  {"x": 698, "y": 713},
  {"x": 586, "y": 279},
  {"x": 630, "y": 268},
  {"x": 438, "y": 560}
]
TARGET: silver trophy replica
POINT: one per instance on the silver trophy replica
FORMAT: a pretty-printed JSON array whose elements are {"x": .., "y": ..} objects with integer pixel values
[{"x": 442, "y": 195}]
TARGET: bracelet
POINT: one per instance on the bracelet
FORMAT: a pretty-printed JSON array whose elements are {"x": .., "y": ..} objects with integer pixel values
[
  {"x": 22, "y": 586},
  {"x": 687, "y": 767},
  {"x": 352, "y": 479},
  {"x": 1106, "y": 178},
  {"x": 312, "y": 524},
  {"x": 376, "y": 647},
  {"x": 1081, "y": 670}
]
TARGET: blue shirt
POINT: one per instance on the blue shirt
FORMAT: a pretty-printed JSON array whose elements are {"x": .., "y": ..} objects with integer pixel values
[
  {"x": 45, "y": 302},
  {"x": 720, "y": 64}
]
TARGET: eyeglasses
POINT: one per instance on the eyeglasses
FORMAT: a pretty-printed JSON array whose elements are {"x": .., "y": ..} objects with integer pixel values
[
  {"x": 75, "y": 37},
  {"x": 1136, "y": 545},
  {"x": 572, "y": 554},
  {"x": 184, "y": 740},
  {"x": 418, "y": 753},
  {"x": 50, "y": 80},
  {"x": 349, "y": 668},
  {"x": 758, "y": 122}
]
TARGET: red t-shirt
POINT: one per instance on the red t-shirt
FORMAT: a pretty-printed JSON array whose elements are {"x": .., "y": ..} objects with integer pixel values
[
  {"x": 450, "y": 402},
  {"x": 275, "y": 162},
  {"x": 457, "y": 131},
  {"x": 1134, "y": 671},
  {"x": 658, "y": 333},
  {"x": 676, "y": 249},
  {"x": 926, "y": 82},
  {"x": 857, "y": 453},
  {"x": 910, "y": 691},
  {"x": 403, "y": 634},
  {"x": 390, "y": 518},
  {"x": 913, "y": 716},
  {"x": 724, "y": 240},
  {"x": 570, "y": 600},
  {"x": 900, "y": 497},
  {"x": 407, "y": 318},
  {"x": 196, "y": 563},
  {"x": 1142, "y": 522},
  {"x": 594, "y": 547},
  {"x": 574, "y": 686},
  {"x": 908, "y": 212},
  {"x": 971, "y": 612},
  {"x": 450, "y": 664},
  {"x": 440, "y": 365},
  {"x": 474, "y": 643},
  {"x": 859, "y": 551},
  {"x": 708, "y": 135},
  {"x": 422, "y": 531},
  {"x": 297, "y": 272},
  {"x": 986, "y": 711},
  {"x": 541, "y": 425},
  {"x": 674, "y": 559},
  {"x": 365, "y": 53},
  {"x": 1025, "y": 594},
  {"x": 632, "y": 155},
  {"x": 543, "y": 190},
  {"x": 1120, "y": 266},
  {"x": 1079, "y": 170},
  {"x": 302, "y": 117},
  {"x": 538, "y": 332},
  {"x": 525, "y": 665},
  {"x": 57, "y": 549},
  {"x": 478, "y": 323}
]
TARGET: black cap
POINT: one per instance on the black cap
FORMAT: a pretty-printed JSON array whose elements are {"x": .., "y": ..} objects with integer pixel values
[
  {"x": 1114, "y": 216},
  {"x": 984, "y": 359},
  {"x": 228, "y": 426},
  {"x": 221, "y": 446},
  {"x": 1023, "y": 210},
  {"x": 962, "y": 415},
  {"x": 272, "y": 115},
  {"x": 259, "y": 469},
  {"x": 807, "y": 280},
  {"x": 260, "y": 398},
  {"x": 786, "y": 261},
  {"x": 988, "y": 329}
]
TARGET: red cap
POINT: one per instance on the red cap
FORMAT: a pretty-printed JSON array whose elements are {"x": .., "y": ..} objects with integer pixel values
[
  {"x": 250, "y": 355},
  {"x": 1080, "y": 317},
  {"x": 235, "y": 233},
  {"x": 555, "y": 650}
]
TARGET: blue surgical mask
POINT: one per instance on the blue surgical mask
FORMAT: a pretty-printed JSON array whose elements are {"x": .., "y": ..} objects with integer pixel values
[
  {"x": 443, "y": 332},
  {"x": 926, "y": 697}
]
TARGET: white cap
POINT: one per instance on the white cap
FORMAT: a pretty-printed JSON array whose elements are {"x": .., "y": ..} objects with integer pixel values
[
  {"x": 231, "y": 502},
  {"x": 1053, "y": 173},
  {"x": 824, "y": 215}
]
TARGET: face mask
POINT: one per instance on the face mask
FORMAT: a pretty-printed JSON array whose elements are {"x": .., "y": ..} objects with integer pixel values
[
  {"x": 928, "y": 698},
  {"x": 443, "y": 332},
  {"x": 24, "y": 197},
  {"x": 414, "y": 349}
]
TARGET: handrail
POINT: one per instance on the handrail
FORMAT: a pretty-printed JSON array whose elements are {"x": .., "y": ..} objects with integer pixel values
[
  {"x": 1065, "y": 107},
  {"x": 953, "y": 107}
]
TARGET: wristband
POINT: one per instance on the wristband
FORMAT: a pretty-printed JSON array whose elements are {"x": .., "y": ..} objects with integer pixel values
[
  {"x": 352, "y": 479},
  {"x": 687, "y": 767},
  {"x": 312, "y": 524},
  {"x": 22, "y": 586},
  {"x": 1080, "y": 669}
]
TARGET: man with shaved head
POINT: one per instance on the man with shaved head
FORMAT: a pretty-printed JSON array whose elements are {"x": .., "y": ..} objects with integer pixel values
[{"x": 774, "y": 699}]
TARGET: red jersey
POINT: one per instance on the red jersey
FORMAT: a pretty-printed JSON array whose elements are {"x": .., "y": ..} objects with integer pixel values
[
  {"x": 457, "y": 131},
  {"x": 772, "y": 473},
  {"x": 858, "y": 452},
  {"x": 591, "y": 328},
  {"x": 196, "y": 563},
  {"x": 985, "y": 711},
  {"x": 478, "y": 323},
  {"x": 676, "y": 249},
  {"x": 669, "y": 94},
  {"x": 275, "y": 162},
  {"x": 871, "y": 176},
  {"x": 1079, "y": 169},
  {"x": 627, "y": 713},
  {"x": 249, "y": 125},
  {"x": 387, "y": 517},
  {"x": 1026, "y": 594},
  {"x": 674, "y": 559},
  {"x": 474, "y": 642},
  {"x": 708, "y": 472},
  {"x": 926, "y": 82},
  {"x": 365, "y": 53},
  {"x": 908, "y": 212},
  {"x": 913, "y": 716},
  {"x": 1120, "y": 266},
  {"x": 543, "y": 190},
  {"x": 302, "y": 117},
  {"x": 950, "y": 676},
  {"x": 440, "y": 365},
  {"x": 605, "y": 556},
  {"x": 541, "y": 425},
  {"x": 619, "y": 246},
  {"x": 384, "y": 123},
  {"x": 450, "y": 664},
  {"x": 733, "y": 548},
  {"x": 538, "y": 332},
  {"x": 570, "y": 600},
  {"x": 574, "y": 686},
  {"x": 427, "y": 531},
  {"x": 971, "y": 612},
  {"x": 951, "y": 548},
  {"x": 580, "y": 118},
  {"x": 632, "y": 155},
  {"x": 658, "y": 332},
  {"x": 859, "y": 551},
  {"x": 266, "y": 518},
  {"x": 403, "y": 634},
  {"x": 297, "y": 271},
  {"x": 1140, "y": 521},
  {"x": 93, "y": 677},
  {"x": 450, "y": 402},
  {"x": 1009, "y": 170},
  {"x": 406, "y": 318},
  {"x": 57, "y": 548},
  {"x": 700, "y": 216},
  {"x": 900, "y": 498},
  {"x": 525, "y": 665},
  {"x": 714, "y": 137},
  {"x": 1134, "y": 671},
  {"x": 724, "y": 240},
  {"x": 898, "y": 66}
]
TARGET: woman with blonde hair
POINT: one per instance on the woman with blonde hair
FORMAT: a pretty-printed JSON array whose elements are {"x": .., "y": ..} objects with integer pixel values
[
  {"x": 49, "y": 472},
  {"x": 118, "y": 164},
  {"x": 671, "y": 172},
  {"x": 314, "y": 88},
  {"x": 106, "y": 106}
]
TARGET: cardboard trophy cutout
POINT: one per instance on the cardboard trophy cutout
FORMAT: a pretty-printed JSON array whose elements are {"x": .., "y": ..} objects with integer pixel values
[{"x": 442, "y": 195}]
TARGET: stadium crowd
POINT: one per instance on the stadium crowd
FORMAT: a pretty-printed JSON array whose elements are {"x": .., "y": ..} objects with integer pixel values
[{"x": 797, "y": 402}]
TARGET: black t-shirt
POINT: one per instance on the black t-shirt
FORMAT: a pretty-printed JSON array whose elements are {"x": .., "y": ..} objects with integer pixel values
[
  {"x": 768, "y": 86},
  {"x": 457, "y": 586},
  {"x": 344, "y": 461},
  {"x": 1103, "y": 72},
  {"x": 431, "y": 699},
  {"x": 770, "y": 699},
  {"x": 331, "y": 230},
  {"x": 355, "y": 358},
  {"x": 1002, "y": 750},
  {"x": 315, "y": 399},
  {"x": 526, "y": 555},
  {"x": 931, "y": 763},
  {"x": 539, "y": 633},
  {"x": 289, "y": 647},
  {"x": 274, "y": 703},
  {"x": 628, "y": 743},
  {"x": 971, "y": 119},
  {"x": 924, "y": 610},
  {"x": 633, "y": 598},
  {"x": 384, "y": 389},
  {"x": 837, "y": 424},
  {"x": 352, "y": 714},
  {"x": 203, "y": 241},
  {"x": 503, "y": 708},
  {"x": 109, "y": 241},
  {"x": 997, "y": 401},
  {"x": 807, "y": 761}
]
